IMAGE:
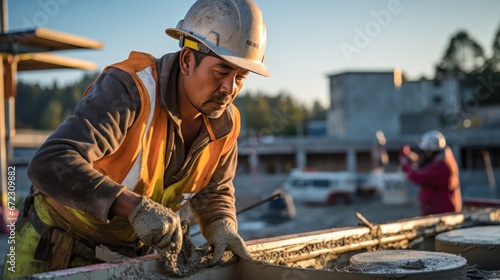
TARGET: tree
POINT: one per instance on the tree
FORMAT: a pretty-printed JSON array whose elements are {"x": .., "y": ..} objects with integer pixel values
[
  {"x": 265, "y": 115},
  {"x": 257, "y": 112},
  {"x": 463, "y": 56},
  {"x": 27, "y": 109},
  {"x": 45, "y": 108},
  {"x": 51, "y": 115},
  {"x": 494, "y": 61},
  {"x": 317, "y": 112},
  {"x": 483, "y": 81}
]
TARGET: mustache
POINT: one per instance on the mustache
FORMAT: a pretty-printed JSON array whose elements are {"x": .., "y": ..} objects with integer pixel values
[{"x": 221, "y": 98}]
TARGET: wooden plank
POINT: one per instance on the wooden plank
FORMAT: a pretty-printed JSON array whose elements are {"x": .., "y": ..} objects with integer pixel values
[
  {"x": 47, "y": 61},
  {"x": 43, "y": 40}
]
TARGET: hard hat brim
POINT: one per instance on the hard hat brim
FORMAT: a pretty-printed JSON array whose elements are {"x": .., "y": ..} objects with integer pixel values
[{"x": 256, "y": 67}]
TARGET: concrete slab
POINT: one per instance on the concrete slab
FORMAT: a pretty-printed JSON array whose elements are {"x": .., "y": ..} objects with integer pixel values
[
  {"x": 479, "y": 245},
  {"x": 144, "y": 268}
]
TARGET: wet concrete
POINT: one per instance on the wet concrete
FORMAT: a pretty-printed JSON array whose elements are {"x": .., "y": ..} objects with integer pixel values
[
  {"x": 187, "y": 262},
  {"x": 410, "y": 263},
  {"x": 252, "y": 271},
  {"x": 191, "y": 260}
]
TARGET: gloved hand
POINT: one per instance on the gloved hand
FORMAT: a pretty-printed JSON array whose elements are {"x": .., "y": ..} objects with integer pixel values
[
  {"x": 157, "y": 226},
  {"x": 404, "y": 155},
  {"x": 222, "y": 235}
]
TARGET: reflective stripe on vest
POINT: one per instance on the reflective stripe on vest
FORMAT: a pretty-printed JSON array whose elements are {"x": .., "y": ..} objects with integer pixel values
[{"x": 146, "y": 77}]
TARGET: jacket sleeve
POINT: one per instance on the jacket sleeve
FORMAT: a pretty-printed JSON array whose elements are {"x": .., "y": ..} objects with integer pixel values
[
  {"x": 434, "y": 175},
  {"x": 62, "y": 167},
  {"x": 216, "y": 201}
]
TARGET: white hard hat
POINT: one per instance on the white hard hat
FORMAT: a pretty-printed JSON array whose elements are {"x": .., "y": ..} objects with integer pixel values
[
  {"x": 432, "y": 141},
  {"x": 233, "y": 29}
]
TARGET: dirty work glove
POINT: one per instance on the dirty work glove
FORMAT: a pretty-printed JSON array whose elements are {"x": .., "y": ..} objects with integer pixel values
[
  {"x": 157, "y": 226},
  {"x": 222, "y": 235}
]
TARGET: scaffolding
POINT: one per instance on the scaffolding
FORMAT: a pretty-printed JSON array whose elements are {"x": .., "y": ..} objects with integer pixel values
[{"x": 28, "y": 50}]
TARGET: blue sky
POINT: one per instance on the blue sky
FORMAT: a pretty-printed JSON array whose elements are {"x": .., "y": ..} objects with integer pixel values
[{"x": 307, "y": 40}]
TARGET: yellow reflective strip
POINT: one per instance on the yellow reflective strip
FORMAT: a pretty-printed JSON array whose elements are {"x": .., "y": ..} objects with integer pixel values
[
  {"x": 191, "y": 44},
  {"x": 172, "y": 195}
]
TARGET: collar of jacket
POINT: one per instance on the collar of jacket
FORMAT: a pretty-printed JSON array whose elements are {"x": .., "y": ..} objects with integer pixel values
[{"x": 168, "y": 70}]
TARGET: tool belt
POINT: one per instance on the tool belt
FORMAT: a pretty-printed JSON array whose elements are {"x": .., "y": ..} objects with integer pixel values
[{"x": 57, "y": 246}]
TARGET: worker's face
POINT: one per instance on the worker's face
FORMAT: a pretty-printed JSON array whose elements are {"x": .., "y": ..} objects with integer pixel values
[{"x": 212, "y": 85}]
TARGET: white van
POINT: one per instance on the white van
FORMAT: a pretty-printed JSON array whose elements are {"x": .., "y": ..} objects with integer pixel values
[
  {"x": 321, "y": 187},
  {"x": 393, "y": 187}
]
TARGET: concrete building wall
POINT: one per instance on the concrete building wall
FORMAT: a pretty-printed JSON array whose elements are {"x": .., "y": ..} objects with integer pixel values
[
  {"x": 423, "y": 95},
  {"x": 336, "y": 117},
  {"x": 362, "y": 103},
  {"x": 327, "y": 161},
  {"x": 420, "y": 122}
]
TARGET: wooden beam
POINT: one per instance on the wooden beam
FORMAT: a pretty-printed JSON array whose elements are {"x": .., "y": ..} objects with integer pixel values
[
  {"x": 43, "y": 40},
  {"x": 47, "y": 61}
]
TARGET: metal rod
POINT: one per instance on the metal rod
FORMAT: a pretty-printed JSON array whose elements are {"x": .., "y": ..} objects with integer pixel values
[
  {"x": 365, "y": 221},
  {"x": 272, "y": 197},
  {"x": 3, "y": 118},
  {"x": 4, "y": 12},
  {"x": 489, "y": 172},
  {"x": 3, "y": 146}
]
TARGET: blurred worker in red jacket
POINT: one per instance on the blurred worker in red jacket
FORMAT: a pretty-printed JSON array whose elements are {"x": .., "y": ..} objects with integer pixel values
[{"x": 435, "y": 170}]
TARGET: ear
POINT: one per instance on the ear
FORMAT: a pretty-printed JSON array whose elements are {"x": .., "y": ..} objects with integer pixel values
[{"x": 186, "y": 57}]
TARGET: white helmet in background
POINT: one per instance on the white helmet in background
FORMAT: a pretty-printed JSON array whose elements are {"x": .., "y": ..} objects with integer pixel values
[
  {"x": 233, "y": 29},
  {"x": 432, "y": 141}
]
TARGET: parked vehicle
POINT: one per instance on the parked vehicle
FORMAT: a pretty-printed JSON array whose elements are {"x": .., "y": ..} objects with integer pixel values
[
  {"x": 392, "y": 187},
  {"x": 320, "y": 186}
]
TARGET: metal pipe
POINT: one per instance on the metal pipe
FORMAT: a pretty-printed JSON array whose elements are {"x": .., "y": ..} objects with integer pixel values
[
  {"x": 272, "y": 197},
  {"x": 3, "y": 120},
  {"x": 489, "y": 172},
  {"x": 3, "y": 145},
  {"x": 4, "y": 12}
]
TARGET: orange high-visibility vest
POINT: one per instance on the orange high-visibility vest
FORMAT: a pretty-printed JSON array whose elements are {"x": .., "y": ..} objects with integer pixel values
[{"x": 139, "y": 162}]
